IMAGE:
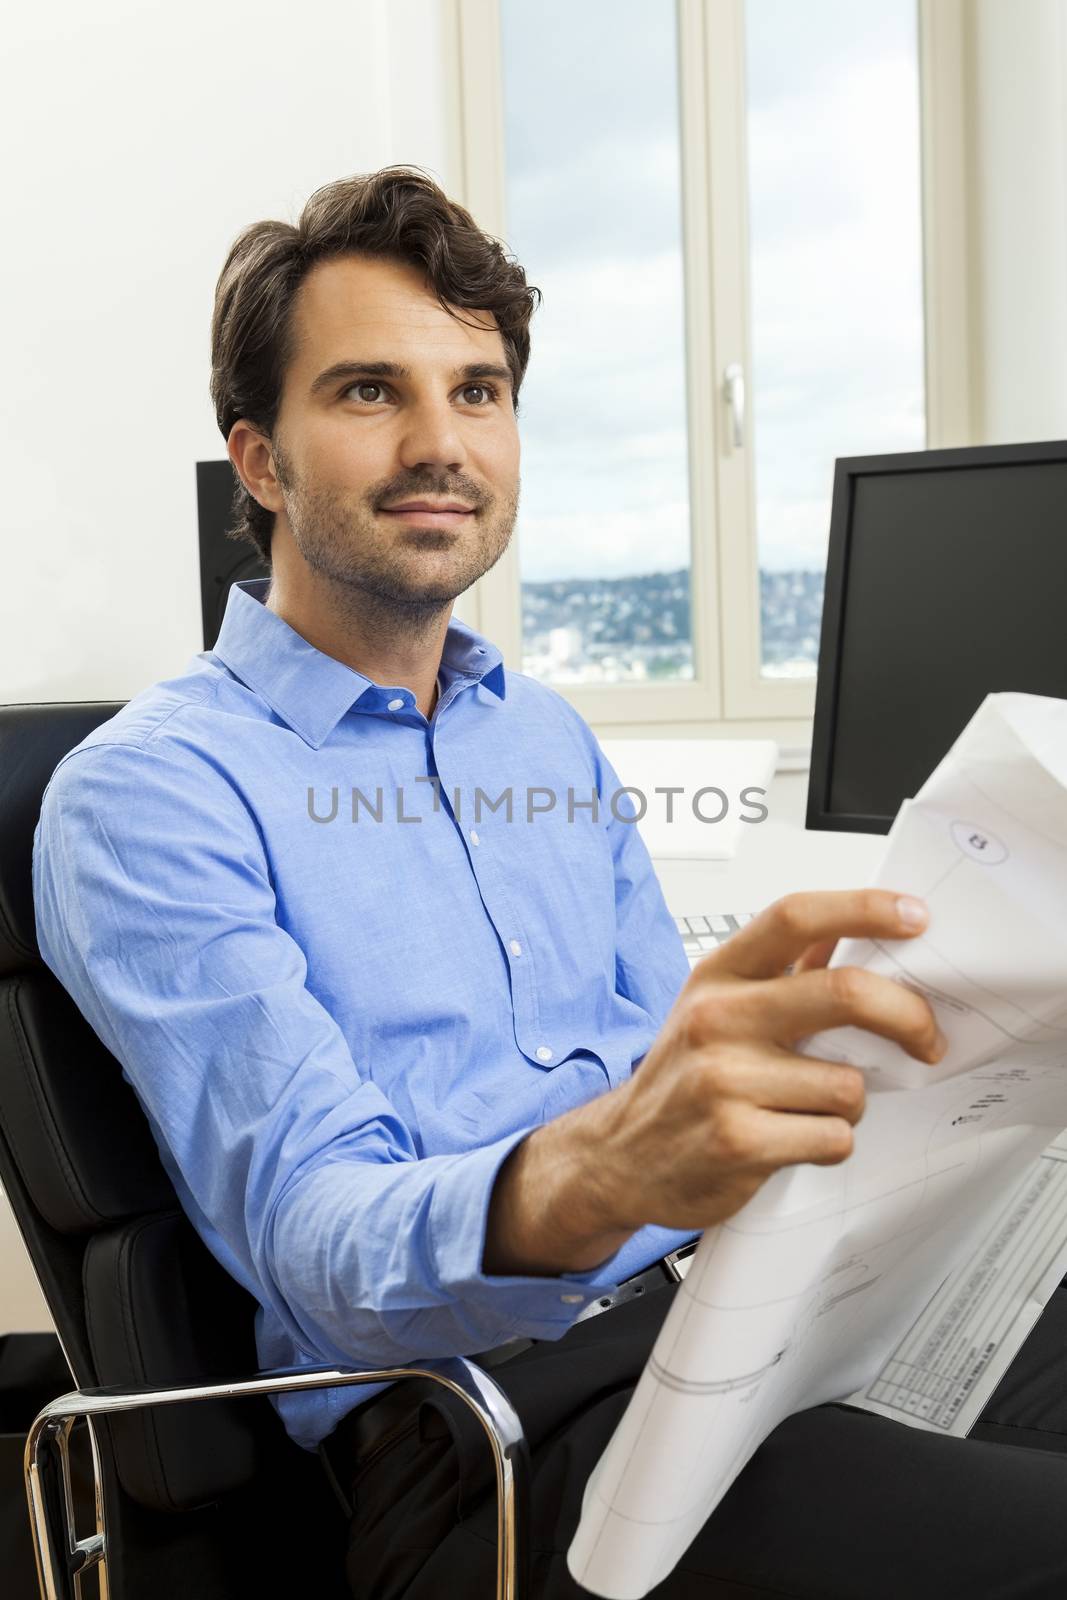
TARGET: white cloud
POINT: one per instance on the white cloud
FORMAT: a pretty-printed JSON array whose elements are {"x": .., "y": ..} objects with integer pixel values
[
  {"x": 604, "y": 541},
  {"x": 836, "y": 291}
]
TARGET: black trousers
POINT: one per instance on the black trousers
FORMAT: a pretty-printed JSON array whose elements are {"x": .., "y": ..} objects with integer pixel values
[{"x": 835, "y": 1503}]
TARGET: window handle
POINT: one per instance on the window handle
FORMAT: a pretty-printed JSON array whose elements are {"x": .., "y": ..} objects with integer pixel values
[{"x": 733, "y": 388}]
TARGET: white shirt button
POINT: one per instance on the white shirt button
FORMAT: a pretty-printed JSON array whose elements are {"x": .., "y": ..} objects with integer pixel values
[
  {"x": 544, "y": 1053},
  {"x": 572, "y": 1299},
  {"x": 396, "y": 705},
  {"x": 516, "y": 949},
  {"x": 474, "y": 837}
]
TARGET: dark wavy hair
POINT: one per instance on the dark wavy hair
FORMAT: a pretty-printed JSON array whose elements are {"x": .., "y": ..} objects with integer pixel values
[{"x": 397, "y": 213}]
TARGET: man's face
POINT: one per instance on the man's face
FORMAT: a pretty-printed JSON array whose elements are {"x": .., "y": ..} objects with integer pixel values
[{"x": 347, "y": 445}]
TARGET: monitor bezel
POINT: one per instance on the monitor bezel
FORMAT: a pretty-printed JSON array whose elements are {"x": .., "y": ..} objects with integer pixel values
[{"x": 847, "y": 469}]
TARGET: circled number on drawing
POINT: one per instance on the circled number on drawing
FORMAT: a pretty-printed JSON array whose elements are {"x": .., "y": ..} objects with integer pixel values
[{"x": 979, "y": 844}]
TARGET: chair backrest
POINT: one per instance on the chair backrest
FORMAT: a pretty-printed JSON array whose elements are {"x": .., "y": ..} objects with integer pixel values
[{"x": 135, "y": 1295}]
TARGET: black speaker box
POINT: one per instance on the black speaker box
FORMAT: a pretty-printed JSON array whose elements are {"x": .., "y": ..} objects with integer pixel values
[{"x": 222, "y": 561}]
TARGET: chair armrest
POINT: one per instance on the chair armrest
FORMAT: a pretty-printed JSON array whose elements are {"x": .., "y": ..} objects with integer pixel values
[{"x": 51, "y": 1428}]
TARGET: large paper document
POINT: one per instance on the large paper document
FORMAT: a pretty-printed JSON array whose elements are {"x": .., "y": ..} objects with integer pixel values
[
  {"x": 944, "y": 1371},
  {"x": 816, "y": 1289}
]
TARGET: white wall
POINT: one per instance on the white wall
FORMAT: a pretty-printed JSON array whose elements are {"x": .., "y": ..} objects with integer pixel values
[
  {"x": 141, "y": 139},
  {"x": 1019, "y": 233}
]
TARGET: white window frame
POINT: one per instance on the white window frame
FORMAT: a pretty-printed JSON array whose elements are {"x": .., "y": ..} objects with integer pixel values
[{"x": 728, "y": 695}]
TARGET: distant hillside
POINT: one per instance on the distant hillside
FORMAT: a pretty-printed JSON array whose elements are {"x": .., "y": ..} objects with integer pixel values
[{"x": 619, "y": 629}]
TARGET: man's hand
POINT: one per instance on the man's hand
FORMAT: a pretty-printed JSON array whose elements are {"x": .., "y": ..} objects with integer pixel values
[{"x": 721, "y": 1100}]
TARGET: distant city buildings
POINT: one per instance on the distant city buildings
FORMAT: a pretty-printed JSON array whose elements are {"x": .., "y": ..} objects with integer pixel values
[
  {"x": 628, "y": 630},
  {"x": 790, "y": 617}
]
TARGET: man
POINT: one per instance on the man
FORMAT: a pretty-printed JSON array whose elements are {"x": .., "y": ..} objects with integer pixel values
[{"x": 430, "y": 1080}]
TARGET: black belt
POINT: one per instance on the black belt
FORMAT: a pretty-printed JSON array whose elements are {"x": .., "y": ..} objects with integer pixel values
[{"x": 374, "y": 1426}]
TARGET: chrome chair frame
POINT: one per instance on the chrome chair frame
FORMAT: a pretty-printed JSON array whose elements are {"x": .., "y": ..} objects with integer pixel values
[{"x": 47, "y": 1461}]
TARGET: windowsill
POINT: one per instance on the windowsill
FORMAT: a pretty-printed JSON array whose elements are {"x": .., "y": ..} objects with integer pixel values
[
  {"x": 793, "y": 758},
  {"x": 777, "y": 856}
]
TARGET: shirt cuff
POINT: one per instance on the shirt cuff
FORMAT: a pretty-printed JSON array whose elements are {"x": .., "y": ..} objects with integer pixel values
[{"x": 535, "y": 1307}]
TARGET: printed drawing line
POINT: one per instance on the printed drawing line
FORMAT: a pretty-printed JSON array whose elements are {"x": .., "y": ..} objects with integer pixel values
[
  {"x": 1041, "y": 1022},
  {"x": 845, "y": 1210},
  {"x": 749, "y": 1305},
  {"x": 846, "y": 1294},
  {"x": 957, "y": 1349},
  {"x": 627, "y": 1516},
  {"x": 949, "y": 870},
  {"x": 717, "y": 1386},
  {"x": 952, "y": 1000},
  {"x": 1028, "y": 827}
]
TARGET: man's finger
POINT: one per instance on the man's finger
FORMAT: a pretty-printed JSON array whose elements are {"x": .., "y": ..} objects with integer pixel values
[
  {"x": 786, "y": 1138},
  {"x": 801, "y": 1084},
  {"x": 790, "y": 1009},
  {"x": 781, "y": 934},
  {"x": 817, "y": 955}
]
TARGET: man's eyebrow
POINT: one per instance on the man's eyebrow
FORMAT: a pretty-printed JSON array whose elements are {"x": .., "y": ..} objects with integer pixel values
[{"x": 393, "y": 369}]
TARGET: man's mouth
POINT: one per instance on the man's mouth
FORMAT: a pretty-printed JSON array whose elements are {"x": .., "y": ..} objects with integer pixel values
[{"x": 431, "y": 519}]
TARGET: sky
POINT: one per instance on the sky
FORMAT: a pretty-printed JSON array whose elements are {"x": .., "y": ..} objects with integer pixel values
[{"x": 594, "y": 215}]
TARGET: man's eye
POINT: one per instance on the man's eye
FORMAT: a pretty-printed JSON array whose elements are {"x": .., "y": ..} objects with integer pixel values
[{"x": 369, "y": 383}]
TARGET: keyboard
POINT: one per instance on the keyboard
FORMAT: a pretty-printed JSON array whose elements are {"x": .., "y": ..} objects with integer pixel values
[{"x": 703, "y": 933}]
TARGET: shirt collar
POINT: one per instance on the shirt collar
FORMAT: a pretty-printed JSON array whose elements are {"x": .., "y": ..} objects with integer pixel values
[{"x": 312, "y": 691}]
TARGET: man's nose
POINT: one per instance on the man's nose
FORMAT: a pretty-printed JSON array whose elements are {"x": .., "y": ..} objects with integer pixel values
[{"x": 432, "y": 434}]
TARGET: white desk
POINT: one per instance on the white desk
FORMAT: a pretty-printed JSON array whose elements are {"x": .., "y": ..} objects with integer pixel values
[{"x": 775, "y": 858}]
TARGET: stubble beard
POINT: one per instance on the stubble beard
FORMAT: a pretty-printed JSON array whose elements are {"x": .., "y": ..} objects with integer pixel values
[{"x": 372, "y": 572}]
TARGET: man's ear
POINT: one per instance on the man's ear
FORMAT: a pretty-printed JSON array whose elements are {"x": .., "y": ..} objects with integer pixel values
[{"x": 253, "y": 461}]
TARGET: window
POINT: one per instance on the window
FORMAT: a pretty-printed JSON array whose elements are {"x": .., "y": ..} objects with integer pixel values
[
  {"x": 722, "y": 202},
  {"x": 836, "y": 276},
  {"x": 594, "y": 214}
]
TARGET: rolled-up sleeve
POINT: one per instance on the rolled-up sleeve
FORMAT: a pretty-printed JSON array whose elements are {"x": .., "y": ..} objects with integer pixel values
[{"x": 156, "y": 912}]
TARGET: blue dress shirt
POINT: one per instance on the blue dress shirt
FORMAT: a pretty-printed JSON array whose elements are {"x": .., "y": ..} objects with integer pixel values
[{"x": 344, "y": 983}]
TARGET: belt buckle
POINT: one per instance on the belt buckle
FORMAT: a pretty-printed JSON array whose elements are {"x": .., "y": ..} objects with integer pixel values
[{"x": 677, "y": 1262}]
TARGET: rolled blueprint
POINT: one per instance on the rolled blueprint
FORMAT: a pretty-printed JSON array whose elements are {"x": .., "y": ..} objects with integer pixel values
[{"x": 806, "y": 1292}]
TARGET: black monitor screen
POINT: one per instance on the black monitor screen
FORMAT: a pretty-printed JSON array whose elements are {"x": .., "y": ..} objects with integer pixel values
[{"x": 946, "y": 581}]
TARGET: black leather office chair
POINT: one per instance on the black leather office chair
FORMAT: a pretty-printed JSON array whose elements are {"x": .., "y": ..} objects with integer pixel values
[{"x": 199, "y": 1491}]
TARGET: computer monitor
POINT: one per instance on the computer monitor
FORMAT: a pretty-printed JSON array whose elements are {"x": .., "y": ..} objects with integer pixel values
[{"x": 946, "y": 580}]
